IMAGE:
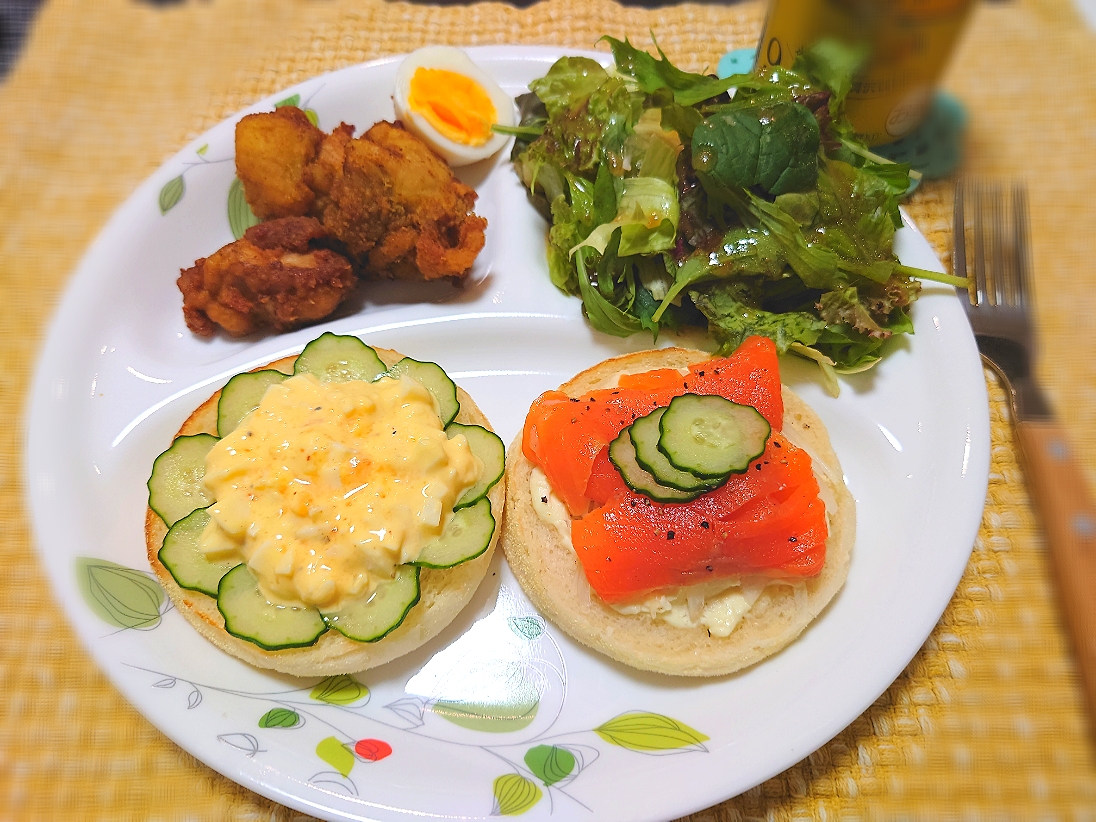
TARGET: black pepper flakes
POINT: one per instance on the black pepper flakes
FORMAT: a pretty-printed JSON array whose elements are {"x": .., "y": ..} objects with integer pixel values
[
  {"x": 792, "y": 539},
  {"x": 544, "y": 500},
  {"x": 710, "y": 568},
  {"x": 704, "y": 524},
  {"x": 669, "y": 535},
  {"x": 777, "y": 444}
]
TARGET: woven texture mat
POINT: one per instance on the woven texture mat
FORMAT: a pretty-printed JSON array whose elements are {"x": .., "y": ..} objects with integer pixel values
[{"x": 985, "y": 721}]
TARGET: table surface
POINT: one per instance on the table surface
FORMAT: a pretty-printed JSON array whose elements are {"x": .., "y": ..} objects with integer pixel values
[{"x": 987, "y": 718}]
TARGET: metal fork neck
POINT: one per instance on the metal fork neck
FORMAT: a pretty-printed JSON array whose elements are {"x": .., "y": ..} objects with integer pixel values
[{"x": 1011, "y": 362}]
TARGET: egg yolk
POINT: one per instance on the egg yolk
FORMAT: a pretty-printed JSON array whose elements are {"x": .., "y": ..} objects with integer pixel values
[{"x": 457, "y": 106}]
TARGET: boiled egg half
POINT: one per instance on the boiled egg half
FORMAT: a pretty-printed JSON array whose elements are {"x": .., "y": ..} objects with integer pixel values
[{"x": 451, "y": 103}]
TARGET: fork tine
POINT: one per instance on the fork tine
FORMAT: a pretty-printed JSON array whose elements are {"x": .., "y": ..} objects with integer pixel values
[
  {"x": 959, "y": 258},
  {"x": 1009, "y": 266},
  {"x": 980, "y": 290},
  {"x": 1022, "y": 253},
  {"x": 998, "y": 268}
]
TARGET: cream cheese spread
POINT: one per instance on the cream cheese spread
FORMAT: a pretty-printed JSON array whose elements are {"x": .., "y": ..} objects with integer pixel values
[
  {"x": 718, "y": 606},
  {"x": 325, "y": 488}
]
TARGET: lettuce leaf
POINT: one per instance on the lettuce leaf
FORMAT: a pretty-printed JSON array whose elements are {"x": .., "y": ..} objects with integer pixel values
[
  {"x": 590, "y": 115},
  {"x": 733, "y": 316},
  {"x": 647, "y": 214},
  {"x": 652, "y": 74},
  {"x": 773, "y": 146},
  {"x": 569, "y": 82},
  {"x": 743, "y": 252},
  {"x": 831, "y": 64},
  {"x": 602, "y": 314}
]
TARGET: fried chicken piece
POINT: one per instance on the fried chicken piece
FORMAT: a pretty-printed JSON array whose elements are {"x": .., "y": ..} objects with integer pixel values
[
  {"x": 276, "y": 276},
  {"x": 386, "y": 196},
  {"x": 431, "y": 231},
  {"x": 272, "y": 153}
]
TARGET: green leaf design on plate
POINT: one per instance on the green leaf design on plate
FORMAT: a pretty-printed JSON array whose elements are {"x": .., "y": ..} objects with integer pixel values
[
  {"x": 240, "y": 215},
  {"x": 550, "y": 763},
  {"x": 339, "y": 690},
  {"x": 498, "y": 718},
  {"x": 280, "y": 718},
  {"x": 293, "y": 100},
  {"x": 336, "y": 754},
  {"x": 313, "y": 117},
  {"x": 514, "y": 794},
  {"x": 171, "y": 194},
  {"x": 645, "y": 732},
  {"x": 120, "y": 596},
  {"x": 202, "y": 151},
  {"x": 529, "y": 627}
]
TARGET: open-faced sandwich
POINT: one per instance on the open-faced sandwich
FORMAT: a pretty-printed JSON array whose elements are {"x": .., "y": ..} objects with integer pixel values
[
  {"x": 328, "y": 513},
  {"x": 678, "y": 513}
]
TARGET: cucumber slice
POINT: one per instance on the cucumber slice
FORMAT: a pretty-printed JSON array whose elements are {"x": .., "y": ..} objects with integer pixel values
[
  {"x": 183, "y": 557},
  {"x": 333, "y": 358},
  {"x": 248, "y": 615},
  {"x": 645, "y": 434},
  {"x": 492, "y": 453},
  {"x": 175, "y": 487},
  {"x": 711, "y": 436},
  {"x": 241, "y": 395},
  {"x": 433, "y": 378},
  {"x": 375, "y": 617},
  {"x": 623, "y": 455},
  {"x": 466, "y": 536}
]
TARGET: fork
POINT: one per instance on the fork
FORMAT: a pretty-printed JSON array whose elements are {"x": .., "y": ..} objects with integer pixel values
[{"x": 999, "y": 309}]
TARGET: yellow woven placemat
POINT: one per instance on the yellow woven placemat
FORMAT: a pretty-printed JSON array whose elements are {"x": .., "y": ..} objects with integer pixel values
[{"x": 985, "y": 721}]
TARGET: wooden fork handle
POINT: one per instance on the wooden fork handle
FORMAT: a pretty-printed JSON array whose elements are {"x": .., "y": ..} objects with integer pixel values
[{"x": 1069, "y": 519}]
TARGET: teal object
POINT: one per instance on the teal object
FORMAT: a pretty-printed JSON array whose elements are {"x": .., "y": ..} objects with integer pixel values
[
  {"x": 934, "y": 148},
  {"x": 739, "y": 61}
]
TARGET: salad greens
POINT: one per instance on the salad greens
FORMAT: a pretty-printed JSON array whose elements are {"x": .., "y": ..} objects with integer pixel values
[{"x": 674, "y": 203}]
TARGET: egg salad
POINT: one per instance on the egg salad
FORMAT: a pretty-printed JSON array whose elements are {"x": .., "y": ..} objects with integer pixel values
[{"x": 326, "y": 488}]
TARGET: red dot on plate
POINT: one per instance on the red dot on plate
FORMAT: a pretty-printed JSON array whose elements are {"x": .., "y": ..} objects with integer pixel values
[{"x": 372, "y": 749}]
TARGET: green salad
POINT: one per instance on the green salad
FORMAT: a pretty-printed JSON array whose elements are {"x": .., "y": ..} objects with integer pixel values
[{"x": 673, "y": 203}]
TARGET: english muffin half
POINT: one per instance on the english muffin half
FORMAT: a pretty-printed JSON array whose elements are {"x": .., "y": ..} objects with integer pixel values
[
  {"x": 549, "y": 571},
  {"x": 440, "y": 594}
]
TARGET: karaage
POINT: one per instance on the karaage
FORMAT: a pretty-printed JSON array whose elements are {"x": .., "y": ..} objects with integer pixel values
[
  {"x": 277, "y": 276},
  {"x": 386, "y": 196}
]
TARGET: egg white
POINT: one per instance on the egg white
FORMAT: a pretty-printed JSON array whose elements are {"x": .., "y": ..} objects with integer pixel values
[{"x": 455, "y": 60}]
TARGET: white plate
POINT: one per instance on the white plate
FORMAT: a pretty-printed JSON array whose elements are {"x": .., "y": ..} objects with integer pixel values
[{"x": 120, "y": 372}]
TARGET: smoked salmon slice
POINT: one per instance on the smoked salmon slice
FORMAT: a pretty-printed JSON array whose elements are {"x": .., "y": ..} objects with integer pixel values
[
  {"x": 768, "y": 520},
  {"x": 564, "y": 435}
]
